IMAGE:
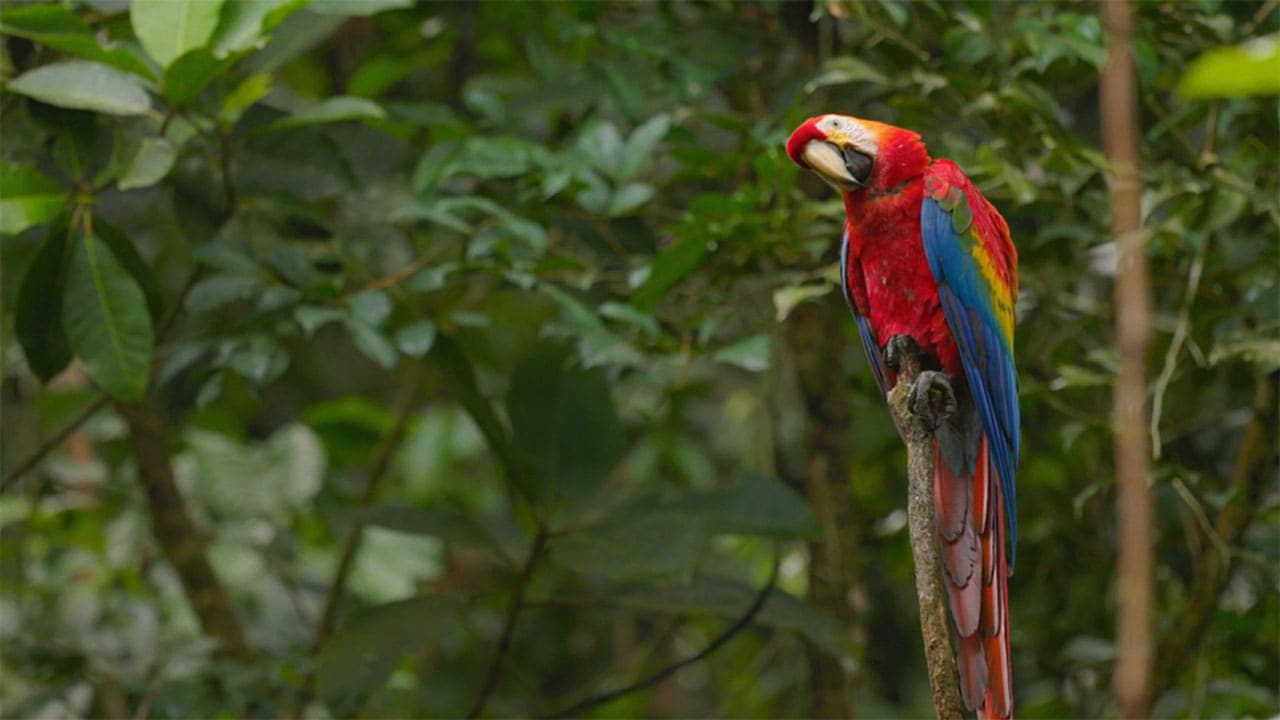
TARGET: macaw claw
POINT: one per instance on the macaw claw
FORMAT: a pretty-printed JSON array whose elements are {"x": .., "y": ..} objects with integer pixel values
[
  {"x": 931, "y": 398},
  {"x": 898, "y": 349}
]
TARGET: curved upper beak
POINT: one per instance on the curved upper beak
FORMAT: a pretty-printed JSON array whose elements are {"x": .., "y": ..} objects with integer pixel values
[{"x": 845, "y": 168}]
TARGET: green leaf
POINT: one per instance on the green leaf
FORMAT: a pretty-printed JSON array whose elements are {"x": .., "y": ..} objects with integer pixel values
[
  {"x": 670, "y": 267},
  {"x": 730, "y": 599},
  {"x": 359, "y": 658},
  {"x": 653, "y": 544},
  {"x": 61, "y": 29},
  {"x": 1241, "y": 71},
  {"x": 105, "y": 317},
  {"x": 249, "y": 91},
  {"x": 245, "y": 22},
  {"x": 329, "y": 110},
  {"x": 416, "y": 339},
  {"x": 28, "y": 198},
  {"x": 311, "y": 317},
  {"x": 191, "y": 73},
  {"x": 638, "y": 151},
  {"x": 350, "y": 428},
  {"x": 152, "y": 162},
  {"x": 38, "y": 318},
  {"x": 371, "y": 307},
  {"x": 740, "y": 509},
  {"x": 844, "y": 70},
  {"x": 356, "y": 7},
  {"x": 83, "y": 85},
  {"x": 629, "y": 197},
  {"x": 450, "y": 527},
  {"x": 602, "y": 144},
  {"x": 563, "y": 421},
  {"x": 370, "y": 341},
  {"x": 749, "y": 353},
  {"x": 266, "y": 479},
  {"x": 169, "y": 29},
  {"x": 214, "y": 292},
  {"x": 128, "y": 255}
]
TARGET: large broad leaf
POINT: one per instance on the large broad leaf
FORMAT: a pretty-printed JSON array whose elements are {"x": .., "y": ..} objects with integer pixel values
[
  {"x": 448, "y": 526},
  {"x": 628, "y": 546},
  {"x": 27, "y": 198},
  {"x": 168, "y": 29},
  {"x": 191, "y": 73},
  {"x": 61, "y": 29},
  {"x": 149, "y": 165},
  {"x": 359, "y": 658},
  {"x": 84, "y": 85},
  {"x": 123, "y": 249},
  {"x": 670, "y": 267},
  {"x": 563, "y": 420},
  {"x": 730, "y": 598},
  {"x": 105, "y": 317},
  {"x": 38, "y": 317},
  {"x": 753, "y": 506}
]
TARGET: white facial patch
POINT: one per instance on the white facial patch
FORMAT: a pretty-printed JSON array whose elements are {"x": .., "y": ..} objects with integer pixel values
[{"x": 842, "y": 127}]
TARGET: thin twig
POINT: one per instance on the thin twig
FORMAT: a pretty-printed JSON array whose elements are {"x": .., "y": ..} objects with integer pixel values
[
  {"x": 738, "y": 625},
  {"x": 1175, "y": 347},
  {"x": 509, "y": 624},
  {"x": 1255, "y": 465},
  {"x": 22, "y": 468},
  {"x": 372, "y": 478}
]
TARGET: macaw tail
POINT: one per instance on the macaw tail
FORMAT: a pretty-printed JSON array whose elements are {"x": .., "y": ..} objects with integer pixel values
[{"x": 971, "y": 533}]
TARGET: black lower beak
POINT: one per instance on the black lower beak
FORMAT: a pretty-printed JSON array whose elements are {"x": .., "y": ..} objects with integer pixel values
[{"x": 858, "y": 164}]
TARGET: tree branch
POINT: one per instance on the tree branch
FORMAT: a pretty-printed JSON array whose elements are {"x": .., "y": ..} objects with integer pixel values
[
  {"x": 509, "y": 624},
  {"x": 22, "y": 468},
  {"x": 372, "y": 479},
  {"x": 182, "y": 543},
  {"x": 1254, "y": 465},
  {"x": 738, "y": 625},
  {"x": 935, "y": 626},
  {"x": 1119, "y": 101}
]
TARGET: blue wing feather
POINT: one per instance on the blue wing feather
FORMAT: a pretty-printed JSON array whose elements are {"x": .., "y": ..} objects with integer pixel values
[
  {"x": 869, "y": 344},
  {"x": 987, "y": 356}
]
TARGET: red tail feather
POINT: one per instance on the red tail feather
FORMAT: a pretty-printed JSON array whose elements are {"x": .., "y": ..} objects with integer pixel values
[{"x": 971, "y": 530}]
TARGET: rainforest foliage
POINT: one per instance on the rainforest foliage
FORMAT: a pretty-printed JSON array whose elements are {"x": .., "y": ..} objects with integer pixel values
[{"x": 372, "y": 358}]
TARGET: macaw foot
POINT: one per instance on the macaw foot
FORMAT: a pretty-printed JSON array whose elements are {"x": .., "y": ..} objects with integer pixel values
[{"x": 931, "y": 398}]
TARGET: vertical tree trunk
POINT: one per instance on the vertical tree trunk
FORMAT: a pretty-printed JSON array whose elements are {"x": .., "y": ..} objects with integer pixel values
[
  {"x": 1119, "y": 97},
  {"x": 182, "y": 542},
  {"x": 818, "y": 343}
]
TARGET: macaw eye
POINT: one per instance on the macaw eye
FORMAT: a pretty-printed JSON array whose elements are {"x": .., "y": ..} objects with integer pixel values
[{"x": 835, "y": 124}]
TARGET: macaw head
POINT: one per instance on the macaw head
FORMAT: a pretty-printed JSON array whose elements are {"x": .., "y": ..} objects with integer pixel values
[{"x": 851, "y": 154}]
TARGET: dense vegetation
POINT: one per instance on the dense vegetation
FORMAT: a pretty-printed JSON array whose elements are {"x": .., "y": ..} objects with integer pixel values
[{"x": 398, "y": 360}]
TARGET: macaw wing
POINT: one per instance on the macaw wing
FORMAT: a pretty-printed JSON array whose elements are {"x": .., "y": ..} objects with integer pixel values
[
  {"x": 974, "y": 262},
  {"x": 884, "y": 376}
]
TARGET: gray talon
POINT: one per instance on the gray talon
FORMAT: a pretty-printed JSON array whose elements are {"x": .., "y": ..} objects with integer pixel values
[
  {"x": 931, "y": 398},
  {"x": 898, "y": 347}
]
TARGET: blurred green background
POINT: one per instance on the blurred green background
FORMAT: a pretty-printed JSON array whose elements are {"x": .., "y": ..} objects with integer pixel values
[{"x": 527, "y": 298}]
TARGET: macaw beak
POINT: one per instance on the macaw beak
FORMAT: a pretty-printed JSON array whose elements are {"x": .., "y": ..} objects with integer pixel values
[{"x": 842, "y": 167}]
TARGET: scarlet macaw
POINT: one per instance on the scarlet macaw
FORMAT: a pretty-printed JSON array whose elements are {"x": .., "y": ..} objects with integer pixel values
[{"x": 926, "y": 256}]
